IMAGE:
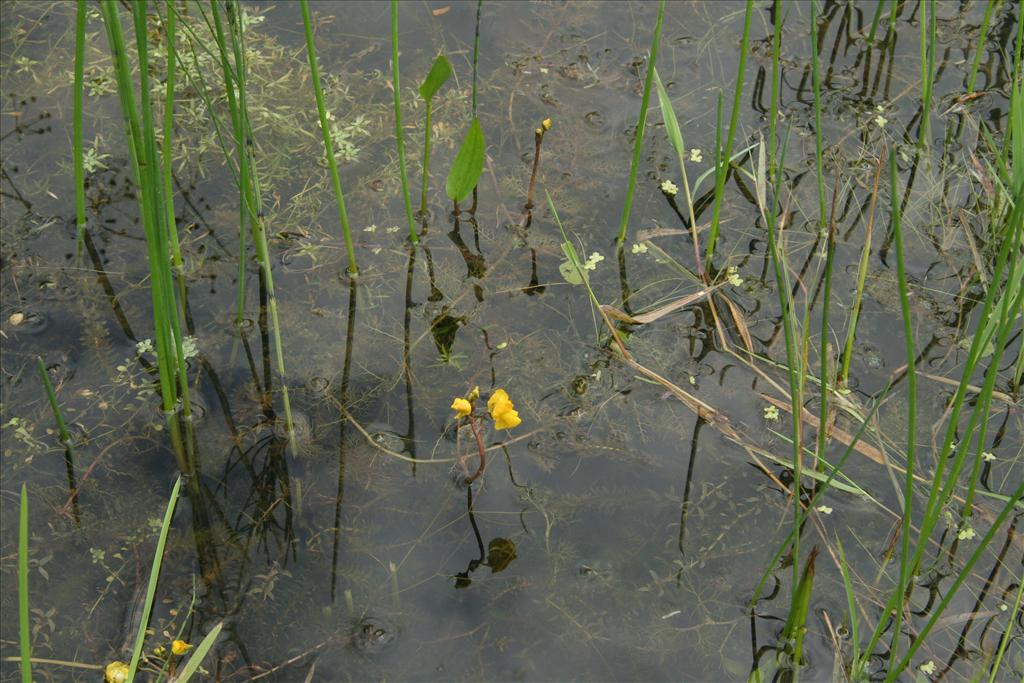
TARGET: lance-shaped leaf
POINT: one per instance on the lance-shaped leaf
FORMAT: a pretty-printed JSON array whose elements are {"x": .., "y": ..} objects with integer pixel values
[
  {"x": 439, "y": 74},
  {"x": 468, "y": 164}
]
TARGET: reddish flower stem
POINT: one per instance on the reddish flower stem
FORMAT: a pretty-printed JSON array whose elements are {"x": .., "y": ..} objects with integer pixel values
[{"x": 479, "y": 445}]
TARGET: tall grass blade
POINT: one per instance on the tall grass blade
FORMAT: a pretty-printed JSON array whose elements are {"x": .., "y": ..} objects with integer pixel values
[
  {"x": 77, "y": 147},
  {"x": 154, "y": 579},
  {"x": 641, "y": 124},
  {"x": 723, "y": 169},
  {"x": 194, "y": 662},
  {"x": 24, "y": 635},
  {"x": 818, "y": 142},
  {"x": 990, "y": 7},
  {"x": 325, "y": 129},
  {"x": 399, "y": 133},
  {"x": 910, "y": 448},
  {"x": 52, "y": 397}
]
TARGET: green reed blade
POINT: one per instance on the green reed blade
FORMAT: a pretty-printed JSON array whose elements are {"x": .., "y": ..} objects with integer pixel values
[
  {"x": 194, "y": 662},
  {"x": 325, "y": 129},
  {"x": 818, "y": 142},
  {"x": 990, "y": 7},
  {"x": 52, "y": 397},
  {"x": 399, "y": 133},
  {"x": 641, "y": 124},
  {"x": 910, "y": 449},
  {"x": 24, "y": 635},
  {"x": 78, "y": 152},
  {"x": 723, "y": 171},
  {"x": 154, "y": 579}
]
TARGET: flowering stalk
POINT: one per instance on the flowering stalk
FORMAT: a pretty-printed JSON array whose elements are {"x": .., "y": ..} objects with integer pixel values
[
  {"x": 538, "y": 137},
  {"x": 502, "y": 411}
]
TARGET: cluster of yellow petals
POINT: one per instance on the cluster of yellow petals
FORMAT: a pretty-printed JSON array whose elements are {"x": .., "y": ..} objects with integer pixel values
[
  {"x": 180, "y": 647},
  {"x": 116, "y": 672},
  {"x": 462, "y": 407},
  {"x": 502, "y": 411}
]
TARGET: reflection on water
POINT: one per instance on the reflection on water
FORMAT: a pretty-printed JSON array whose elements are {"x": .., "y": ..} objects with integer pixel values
[{"x": 617, "y": 533}]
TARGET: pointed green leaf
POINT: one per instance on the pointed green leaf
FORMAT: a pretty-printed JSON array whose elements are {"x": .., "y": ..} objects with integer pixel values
[
  {"x": 439, "y": 74},
  {"x": 200, "y": 654},
  {"x": 468, "y": 164}
]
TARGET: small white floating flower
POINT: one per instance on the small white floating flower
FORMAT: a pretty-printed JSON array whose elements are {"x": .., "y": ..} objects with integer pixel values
[
  {"x": 370, "y": 228},
  {"x": 733, "y": 274},
  {"x": 189, "y": 347},
  {"x": 771, "y": 413},
  {"x": 669, "y": 188},
  {"x": 966, "y": 534},
  {"x": 144, "y": 346},
  {"x": 696, "y": 155},
  {"x": 928, "y": 668},
  {"x": 824, "y": 509},
  {"x": 880, "y": 121},
  {"x": 639, "y": 248},
  {"x": 592, "y": 261},
  {"x": 987, "y": 456}
]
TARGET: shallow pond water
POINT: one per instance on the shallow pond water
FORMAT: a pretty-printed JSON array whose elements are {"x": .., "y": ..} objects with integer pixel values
[{"x": 616, "y": 535}]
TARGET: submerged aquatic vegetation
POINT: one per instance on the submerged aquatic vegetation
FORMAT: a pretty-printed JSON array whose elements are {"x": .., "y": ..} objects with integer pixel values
[{"x": 679, "y": 362}]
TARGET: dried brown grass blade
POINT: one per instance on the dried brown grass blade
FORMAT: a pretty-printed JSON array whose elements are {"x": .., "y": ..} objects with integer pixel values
[{"x": 659, "y": 312}]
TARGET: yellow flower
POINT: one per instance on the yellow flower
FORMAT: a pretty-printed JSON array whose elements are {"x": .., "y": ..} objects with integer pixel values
[
  {"x": 502, "y": 411},
  {"x": 116, "y": 672},
  {"x": 539, "y": 131},
  {"x": 546, "y": 123},
  {"x": 180, "y": 647},
  {"x": 507, "y": 420},
  {"x": 462, "y": 407}
]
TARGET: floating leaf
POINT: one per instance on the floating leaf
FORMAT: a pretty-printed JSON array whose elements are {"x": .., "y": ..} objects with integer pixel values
[
  {"x": 500, "y": 553},
  {"x": 468, "y": 164},
  {"x": 570, "y": 273},
  {"x": 439, "y": 74}
]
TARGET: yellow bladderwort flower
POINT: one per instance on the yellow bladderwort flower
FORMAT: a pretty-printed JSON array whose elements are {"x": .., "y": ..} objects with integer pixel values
[
  {"x": 502, "y": 410},
  {"x": 546, "y": 123},
  {"x": 116, "y": 672},
  {"x": 180, "y": 647},
  {"x": 462, "y": 407}
]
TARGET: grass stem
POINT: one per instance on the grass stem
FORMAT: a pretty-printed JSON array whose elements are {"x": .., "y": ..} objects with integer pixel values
[{"x": 641, "y": 124}]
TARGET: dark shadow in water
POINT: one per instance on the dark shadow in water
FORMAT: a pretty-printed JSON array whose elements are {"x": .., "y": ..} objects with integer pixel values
[
  {"x": 462, "y": 579},
  {"x": 685, "y": 507},
  {"x": 410, "y": 435},
  {"x": 346, "y": 374},
  {"x": 476, "y": 266}
]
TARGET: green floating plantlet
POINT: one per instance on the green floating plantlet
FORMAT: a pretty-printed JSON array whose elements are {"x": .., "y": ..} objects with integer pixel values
[
  {"x": 468, "y": 165},
  {"x": 439, "y": 74}
]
